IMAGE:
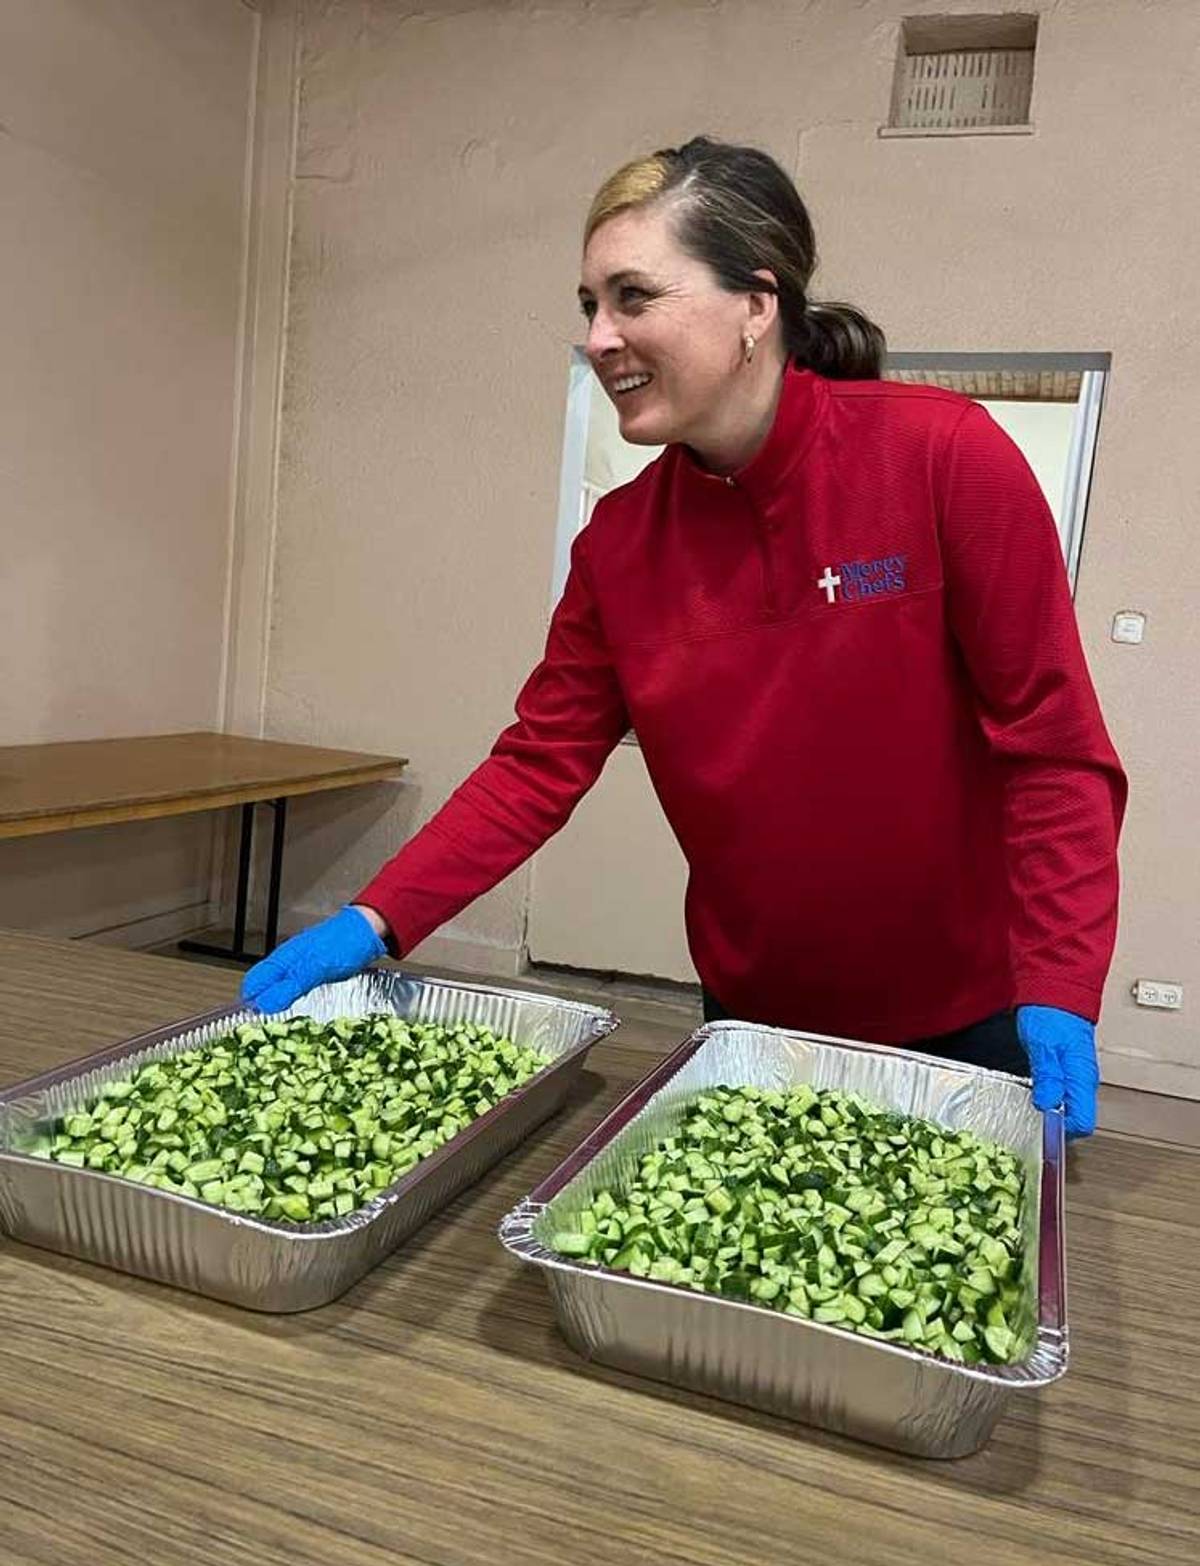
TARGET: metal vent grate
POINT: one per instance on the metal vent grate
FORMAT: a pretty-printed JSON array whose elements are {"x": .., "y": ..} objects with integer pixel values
[
  {"x": 1058, "y": 385},
  {"x": 965, "y": 87}
]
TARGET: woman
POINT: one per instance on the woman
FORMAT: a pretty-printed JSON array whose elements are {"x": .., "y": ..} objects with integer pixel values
[{"x": 835, "y": 613}]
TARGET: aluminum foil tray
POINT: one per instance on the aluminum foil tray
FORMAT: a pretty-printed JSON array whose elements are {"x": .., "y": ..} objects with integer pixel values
[
  {"x": 881, "y": 1392},
  {"x": 262, "y": 1264}
]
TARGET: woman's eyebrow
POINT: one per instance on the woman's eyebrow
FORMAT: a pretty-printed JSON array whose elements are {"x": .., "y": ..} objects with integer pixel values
[{"x": 612, "y": 281}]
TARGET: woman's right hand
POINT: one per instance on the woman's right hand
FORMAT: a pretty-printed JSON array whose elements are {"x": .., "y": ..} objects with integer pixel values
[{"x": 337, "y": 948}]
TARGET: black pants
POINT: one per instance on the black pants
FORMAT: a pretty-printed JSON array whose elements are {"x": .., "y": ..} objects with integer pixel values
[{"x": 992, "y": 1043}]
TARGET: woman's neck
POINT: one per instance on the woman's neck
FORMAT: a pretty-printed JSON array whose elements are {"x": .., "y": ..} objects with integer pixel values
[{"x": 742, "y": 425}]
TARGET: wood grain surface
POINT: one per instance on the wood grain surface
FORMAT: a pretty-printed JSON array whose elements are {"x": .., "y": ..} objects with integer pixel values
[
  {"x": 433, "y": 1415},
  {"x": 81, "y": 783}
]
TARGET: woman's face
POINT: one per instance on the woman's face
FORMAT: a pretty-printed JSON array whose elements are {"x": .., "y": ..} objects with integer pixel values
[{"x": 665, "y": 339}]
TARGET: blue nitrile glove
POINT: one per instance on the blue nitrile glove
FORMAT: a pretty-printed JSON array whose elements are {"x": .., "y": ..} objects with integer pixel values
[
  {"x": 337, "y": 948},
  {"x": 1062, "y": 1061}
]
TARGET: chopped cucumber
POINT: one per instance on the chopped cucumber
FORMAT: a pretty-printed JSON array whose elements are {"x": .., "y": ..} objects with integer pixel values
[
  {"x": 296, "y": 1120},
  {"x": 822, "y": 1206}
]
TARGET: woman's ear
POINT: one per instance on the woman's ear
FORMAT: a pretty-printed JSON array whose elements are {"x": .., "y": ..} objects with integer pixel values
[{"x": 762, "y": 309}]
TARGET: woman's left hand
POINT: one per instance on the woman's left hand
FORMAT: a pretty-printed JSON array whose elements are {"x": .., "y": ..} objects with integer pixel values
[{"x": 1062, "y": 1061}]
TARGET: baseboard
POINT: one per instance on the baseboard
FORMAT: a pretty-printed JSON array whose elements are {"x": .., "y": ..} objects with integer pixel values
[
  {"x": 1150, "y": 1117},
  {"x": 449, "y": 948},
  {"x": 155, "y": 929},
  {"x": 1124, "y": 1068},
  {"x": 465, "y": 954}
]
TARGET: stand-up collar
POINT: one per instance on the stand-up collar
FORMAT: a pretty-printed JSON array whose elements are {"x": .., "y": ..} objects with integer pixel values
[{"x": 803, "y": 402}]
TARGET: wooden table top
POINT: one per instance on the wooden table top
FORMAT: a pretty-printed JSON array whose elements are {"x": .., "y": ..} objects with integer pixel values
[
  {"x": 433, "y": 1414},
  {"x": 79, "y": 783}
]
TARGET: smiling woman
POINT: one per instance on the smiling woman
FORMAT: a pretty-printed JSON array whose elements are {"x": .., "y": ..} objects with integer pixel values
[
  {"x": 695, "y": 278},
  {"x": 834, "y": 611}
]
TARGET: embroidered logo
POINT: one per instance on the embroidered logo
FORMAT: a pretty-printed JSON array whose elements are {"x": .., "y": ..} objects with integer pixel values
[{"x": 860, "y": 579}]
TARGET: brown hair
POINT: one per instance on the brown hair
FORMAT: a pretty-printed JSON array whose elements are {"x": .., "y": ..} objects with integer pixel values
[{"x": 737, "y": 210}]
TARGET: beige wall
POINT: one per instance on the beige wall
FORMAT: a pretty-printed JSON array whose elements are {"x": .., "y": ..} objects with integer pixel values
[
  {"x": 122, "y": 174},
  {"x": 445, "y": 161}
]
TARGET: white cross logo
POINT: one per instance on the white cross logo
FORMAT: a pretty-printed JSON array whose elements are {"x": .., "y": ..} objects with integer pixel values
[{"x": 829, "y": 584}]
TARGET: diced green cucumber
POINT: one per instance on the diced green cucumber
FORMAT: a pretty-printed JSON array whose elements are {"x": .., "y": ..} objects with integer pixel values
[
  {"x": 822, "y": 1207},
  {"x": 294, "y": 1114}
]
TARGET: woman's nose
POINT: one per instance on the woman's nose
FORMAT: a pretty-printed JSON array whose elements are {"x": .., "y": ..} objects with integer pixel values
[{"x": 603, "y": 336}]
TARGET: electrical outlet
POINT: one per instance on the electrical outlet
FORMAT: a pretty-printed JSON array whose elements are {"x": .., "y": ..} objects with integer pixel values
[
  {"x": 1157, "y": 992},
  {"x": 1128, "y": 626}
]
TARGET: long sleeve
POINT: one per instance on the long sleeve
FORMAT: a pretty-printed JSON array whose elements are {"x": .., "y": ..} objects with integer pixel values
[
  {"x": 1064, "y": 790},
  {"x": 570, "y": 715}
]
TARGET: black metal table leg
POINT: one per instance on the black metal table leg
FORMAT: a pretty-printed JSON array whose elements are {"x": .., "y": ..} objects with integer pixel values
[
  {"x": 272, "y": 931},
  {"x": 243, "y": 883},
  {"x": 237, "y": 952}
]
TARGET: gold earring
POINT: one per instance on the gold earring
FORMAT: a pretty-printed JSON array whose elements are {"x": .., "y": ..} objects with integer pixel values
[{"x": 750, "y": 346}]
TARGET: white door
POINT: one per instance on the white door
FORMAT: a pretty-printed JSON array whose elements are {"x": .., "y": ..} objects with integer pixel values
[{"x": 608, "y": 891}]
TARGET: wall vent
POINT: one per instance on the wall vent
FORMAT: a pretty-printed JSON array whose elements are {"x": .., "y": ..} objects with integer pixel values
[{"x": 964, "y": 73}]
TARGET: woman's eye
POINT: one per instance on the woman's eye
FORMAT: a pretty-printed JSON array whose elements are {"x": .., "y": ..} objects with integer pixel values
[
  {"x": 587, "y": 308},
  {"x": 632, "y": 295}
]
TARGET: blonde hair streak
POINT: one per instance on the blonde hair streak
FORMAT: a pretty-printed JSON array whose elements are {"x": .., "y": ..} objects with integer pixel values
[{"x": 635, "y": 184}]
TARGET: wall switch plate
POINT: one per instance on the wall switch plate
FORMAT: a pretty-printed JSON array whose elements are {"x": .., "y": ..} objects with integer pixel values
[
  {"x": 1157, "y": 992},
  {"x": 1128, "y": 626}
]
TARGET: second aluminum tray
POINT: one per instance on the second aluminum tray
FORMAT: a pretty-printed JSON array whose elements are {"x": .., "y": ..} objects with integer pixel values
[{"x": 882, "y": 1392}]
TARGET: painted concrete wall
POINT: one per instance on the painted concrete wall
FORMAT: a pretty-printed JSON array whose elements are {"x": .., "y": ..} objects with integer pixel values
[
  {"x": 445, "y": 163},
  {"x": 122, "y": 173}
]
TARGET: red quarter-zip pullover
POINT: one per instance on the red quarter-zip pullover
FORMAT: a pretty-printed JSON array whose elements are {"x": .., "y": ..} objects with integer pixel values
[{"x": 854, "y": 672}]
